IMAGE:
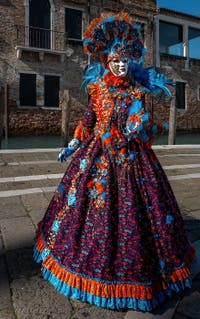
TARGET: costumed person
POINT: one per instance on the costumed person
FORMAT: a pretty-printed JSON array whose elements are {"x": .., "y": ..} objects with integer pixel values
[{"x": 113, "y": 234}]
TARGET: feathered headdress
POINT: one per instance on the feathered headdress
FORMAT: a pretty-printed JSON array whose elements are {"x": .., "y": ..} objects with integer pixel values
[{"x": 113, "y": 35}]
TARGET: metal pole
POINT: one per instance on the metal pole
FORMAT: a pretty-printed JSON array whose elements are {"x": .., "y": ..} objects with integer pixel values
[{"x": 172, "y": 123}]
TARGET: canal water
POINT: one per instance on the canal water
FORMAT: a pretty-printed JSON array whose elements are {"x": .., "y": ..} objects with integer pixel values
[{"x": 22, "y": 142}]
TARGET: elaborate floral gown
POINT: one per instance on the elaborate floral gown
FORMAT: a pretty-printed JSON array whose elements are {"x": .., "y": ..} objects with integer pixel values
[{"x": 113, "y": 234}]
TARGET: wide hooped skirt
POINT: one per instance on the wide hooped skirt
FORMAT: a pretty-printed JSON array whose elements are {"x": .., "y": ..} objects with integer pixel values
[{"x": 113, "y": 234}]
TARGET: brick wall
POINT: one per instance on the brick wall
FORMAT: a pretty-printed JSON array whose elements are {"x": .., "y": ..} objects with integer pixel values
[
  {"x": 187, "y": 120},
  {"x": 38, "y": 120}
]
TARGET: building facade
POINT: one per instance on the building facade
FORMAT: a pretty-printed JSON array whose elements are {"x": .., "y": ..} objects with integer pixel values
[
  {"x": 41, "y": 55},
  {"x": 177, "y": 53}
]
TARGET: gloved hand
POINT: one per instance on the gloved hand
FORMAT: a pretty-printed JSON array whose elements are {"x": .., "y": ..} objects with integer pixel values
[
  {"x": 64, "y": 153},
  {"x": 69, "y": 150}
]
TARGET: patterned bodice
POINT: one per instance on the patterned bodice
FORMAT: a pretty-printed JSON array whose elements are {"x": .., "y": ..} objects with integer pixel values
[{"x": 115, "y": 113}]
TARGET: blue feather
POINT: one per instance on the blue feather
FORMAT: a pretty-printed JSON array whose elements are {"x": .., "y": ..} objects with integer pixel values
[
  {"x": 151, "y": 80},
  {"x": 92, "y": 73}
]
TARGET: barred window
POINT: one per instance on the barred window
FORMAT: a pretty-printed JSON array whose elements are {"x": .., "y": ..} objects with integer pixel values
[{"x": 39, "y": 24}]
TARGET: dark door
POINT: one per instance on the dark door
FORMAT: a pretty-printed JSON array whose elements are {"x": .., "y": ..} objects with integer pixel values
[{"x": 39, "y": 24}]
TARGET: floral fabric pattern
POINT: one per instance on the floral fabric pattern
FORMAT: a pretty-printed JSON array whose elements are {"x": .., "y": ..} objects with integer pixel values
[{"x": 113, "y": 234}]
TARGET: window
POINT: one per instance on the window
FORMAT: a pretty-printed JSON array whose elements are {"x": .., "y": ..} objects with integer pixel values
[
  {"x": 171, "y": 38},
  {"x": 27, "y": 89},
  {"x": 180, "y": 95},
  {"x": 51, "y": 90},
  {"x": 194, "y": 43},
  {"x": 73, "y": 23},
  {"x": 39, "y": 24}
]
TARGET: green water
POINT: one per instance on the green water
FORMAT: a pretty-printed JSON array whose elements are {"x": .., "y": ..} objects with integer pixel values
[{"x": 22, "y": 142}]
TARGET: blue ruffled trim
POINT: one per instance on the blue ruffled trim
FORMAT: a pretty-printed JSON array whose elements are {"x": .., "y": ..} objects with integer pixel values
[{"x": 110, "y": 303}]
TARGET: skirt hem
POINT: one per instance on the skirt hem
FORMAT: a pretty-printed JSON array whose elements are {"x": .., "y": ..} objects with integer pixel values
[{"x": 111, "y": 296}]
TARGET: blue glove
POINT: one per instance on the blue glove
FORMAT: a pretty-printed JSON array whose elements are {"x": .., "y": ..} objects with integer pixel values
[
  {"x": 69, "y": 150},
  {"x": 64, "y": 153}
]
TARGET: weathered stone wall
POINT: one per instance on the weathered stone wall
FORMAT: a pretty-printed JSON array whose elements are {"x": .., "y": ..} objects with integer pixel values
[
  {"x": 38, "y": 119},
  {"x": 43, "y": 121},
  {"x": 186, "y": 120}
]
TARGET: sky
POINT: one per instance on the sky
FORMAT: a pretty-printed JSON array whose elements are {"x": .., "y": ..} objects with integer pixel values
[{"x": 186, "y": 6}]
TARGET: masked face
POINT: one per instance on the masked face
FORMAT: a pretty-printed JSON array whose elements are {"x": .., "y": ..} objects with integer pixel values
[{"x": 118, "y": 65}]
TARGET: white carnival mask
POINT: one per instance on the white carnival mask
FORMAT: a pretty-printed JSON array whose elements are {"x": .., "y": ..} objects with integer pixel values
[{"x": 118, "y": 65}]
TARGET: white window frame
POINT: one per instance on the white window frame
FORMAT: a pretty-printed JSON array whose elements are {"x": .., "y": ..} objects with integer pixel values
[
  {"x": 52, "y": 18},
  {"x": 186, "y": 24}
]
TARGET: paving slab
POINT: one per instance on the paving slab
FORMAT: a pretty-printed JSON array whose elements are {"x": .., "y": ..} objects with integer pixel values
[
  {"x": 11, "y": 207},
  {"x": 195, "y": 214},
  {"x": 190, "y": 306},
  {"x": 78, "y": 305},
  {"x": 49, "y": 195},
  {"x": 34, "y": 202},
  {"x": 20, "y": 263},
  {"x": 8, "y": 171},
  {"x": 180, "y": 316},
  {"x": 7, "y": 313},
  {"x": 94, "y": 312},
  {"x": 6, "y": 157},
  {"x": 191, "y": 203},
  {"x": 184, "y": 188},
  {"x": 35, "y": 298},
  {"x": 28, "y": 184},
  {"x": 195, "y": 267},
  {"x": 5, "y": 300},
  {"x": 192, "y": 227},
  {"x": 182, "y": 171},
  {"x": 17, "y": 232},
  {"x": 37, "y": 169},
  {"x": 36, "y": 216},
  {"x": 182, "y": 160},
  {"x": 166, "y": 311}
]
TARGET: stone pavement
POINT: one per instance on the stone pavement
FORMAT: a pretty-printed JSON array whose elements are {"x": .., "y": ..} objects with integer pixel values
[{"x": 27, "y": 181}]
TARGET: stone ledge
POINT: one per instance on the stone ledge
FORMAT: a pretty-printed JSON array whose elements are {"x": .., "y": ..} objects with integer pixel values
[{"x": 41, "y": 52}]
